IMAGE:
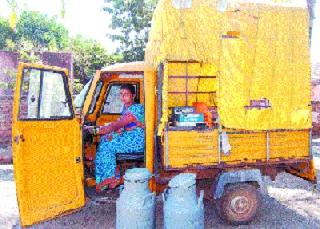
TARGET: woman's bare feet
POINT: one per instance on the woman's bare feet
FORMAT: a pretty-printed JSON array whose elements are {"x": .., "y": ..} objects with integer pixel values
[{"x": 111, "y": 183}]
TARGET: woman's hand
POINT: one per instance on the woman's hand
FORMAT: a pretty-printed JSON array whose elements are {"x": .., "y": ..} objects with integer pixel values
[
  {"x": 91, "y": 129},
  {"x": 99, "y": 129}
]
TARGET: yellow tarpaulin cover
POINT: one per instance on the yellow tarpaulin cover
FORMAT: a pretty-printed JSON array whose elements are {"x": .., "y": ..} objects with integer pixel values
[{"x": 259, "y": 53}]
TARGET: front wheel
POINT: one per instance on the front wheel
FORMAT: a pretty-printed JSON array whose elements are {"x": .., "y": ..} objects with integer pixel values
[{"x": 239, "y": 203}]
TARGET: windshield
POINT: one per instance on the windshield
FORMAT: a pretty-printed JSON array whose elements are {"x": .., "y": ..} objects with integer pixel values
[{"x": 79, "y": 100}]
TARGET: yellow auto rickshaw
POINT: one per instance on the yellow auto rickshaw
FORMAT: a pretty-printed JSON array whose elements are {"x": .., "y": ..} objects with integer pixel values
[{"x": 226, "y": 90}]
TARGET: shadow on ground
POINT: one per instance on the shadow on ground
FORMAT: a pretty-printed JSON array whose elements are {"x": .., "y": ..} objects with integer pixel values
[
  {"x": 272, "y": 214},
  {"x": 291, "y": 203}
]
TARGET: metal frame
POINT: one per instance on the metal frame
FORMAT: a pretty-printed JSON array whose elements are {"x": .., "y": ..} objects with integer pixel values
[
  {"x": 267, "y": 166},
  {"x": 66, "y": 89}
]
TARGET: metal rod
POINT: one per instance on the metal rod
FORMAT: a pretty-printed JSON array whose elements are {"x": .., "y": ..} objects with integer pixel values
[
  {"x": 246, "y": 165},
  {"x": 260, "y": 131},
  {"x": 187, "y": 80}
]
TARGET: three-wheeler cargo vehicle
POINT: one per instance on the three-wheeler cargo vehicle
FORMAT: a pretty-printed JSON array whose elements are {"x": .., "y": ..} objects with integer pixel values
[{"x": 226, "y": 96}]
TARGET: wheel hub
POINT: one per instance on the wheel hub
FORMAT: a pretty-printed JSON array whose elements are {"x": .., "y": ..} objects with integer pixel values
[{"x": 240, "y": 204}]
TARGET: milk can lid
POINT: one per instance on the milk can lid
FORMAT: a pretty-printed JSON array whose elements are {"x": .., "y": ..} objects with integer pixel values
[
  {"x": 137, "y": 174},
  {"x": 183, "y": 180}
]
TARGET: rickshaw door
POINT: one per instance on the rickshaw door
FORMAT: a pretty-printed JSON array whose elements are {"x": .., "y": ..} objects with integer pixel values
[{"x": 46, "y": 140}]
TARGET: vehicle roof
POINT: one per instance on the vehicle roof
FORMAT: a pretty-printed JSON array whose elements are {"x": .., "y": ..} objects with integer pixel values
[{"x": 137, "y": 66}]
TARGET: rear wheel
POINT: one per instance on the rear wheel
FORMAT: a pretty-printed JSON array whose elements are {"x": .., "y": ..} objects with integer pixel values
[{"x": 239, "y": 203}]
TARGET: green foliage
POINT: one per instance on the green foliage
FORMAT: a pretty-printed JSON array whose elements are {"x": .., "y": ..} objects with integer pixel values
[
  {"x": 89, "y": 56},
  {"x": 131, "y": 22},
  {"x": 27, "y": 51},
  {"x": 10, "y": 83},
  {"x": 77, "y": 86},
  {"x": 12, "y": 76},
  {"x": 7, "y": 34},
  {"x": 44, "y": 32},
  {"x": 36, "y": 33}
]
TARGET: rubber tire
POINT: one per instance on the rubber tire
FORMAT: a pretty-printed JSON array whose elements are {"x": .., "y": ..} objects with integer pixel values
[{"x": 240, "y": 189}]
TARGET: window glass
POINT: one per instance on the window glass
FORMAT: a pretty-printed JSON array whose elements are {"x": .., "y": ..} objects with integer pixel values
[
  {"x": 95, "y": 97},
  {"x": 113, "y": 103},
  {"x": 79, "y": 100},
  {"x": 43, "y": 95},
  {"x": 53, "y": 101},
  {"x": 29, "y": 94}
]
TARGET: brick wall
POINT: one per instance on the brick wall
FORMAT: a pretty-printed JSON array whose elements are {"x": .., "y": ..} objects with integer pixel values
[
  {"x": 59, "y": 59},
  {"x": 8, "y": 66}
]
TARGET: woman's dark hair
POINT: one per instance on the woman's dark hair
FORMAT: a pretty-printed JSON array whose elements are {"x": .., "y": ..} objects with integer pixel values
[{"x": 128, "y": 87}]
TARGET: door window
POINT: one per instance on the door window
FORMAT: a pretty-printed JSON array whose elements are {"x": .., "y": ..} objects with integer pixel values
[
  {"x": 44, "y": 95},
  {"x": 113, "y": 103},
  {"x": 53, "y": 98}
]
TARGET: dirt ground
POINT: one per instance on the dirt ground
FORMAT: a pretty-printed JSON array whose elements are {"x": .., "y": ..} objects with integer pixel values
[{"x": 291, "y": 203}]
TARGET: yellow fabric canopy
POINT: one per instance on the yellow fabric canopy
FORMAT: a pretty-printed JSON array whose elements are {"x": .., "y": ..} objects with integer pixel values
[{"x": 258, "y": 52}]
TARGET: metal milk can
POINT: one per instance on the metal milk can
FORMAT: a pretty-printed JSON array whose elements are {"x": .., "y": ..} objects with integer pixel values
[
  {"x": 182, "y": 209},
  {"x": 135, "y": 208}
]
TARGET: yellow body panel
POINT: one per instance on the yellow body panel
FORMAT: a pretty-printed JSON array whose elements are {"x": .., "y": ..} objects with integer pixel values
[
  {"x": 250, "y": 147},
  {"x": 150, "y": 120},
  {"x": 150, "y": 115},
  {"x": 49, "y": 181},
  {"x": 293, "y": 144},
  {"x": 246, "y": 147},
  {"x": 190, "y": 148}
]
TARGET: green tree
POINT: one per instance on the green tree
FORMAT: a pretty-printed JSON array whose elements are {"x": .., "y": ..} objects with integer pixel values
[
  {"x": 44, "y": 32},
  {"x": 7, "y": 34},
  {"x": 89, "y": 56},
  {"x": 35, "y": 33},
  {"x": 131, "y": 22}
]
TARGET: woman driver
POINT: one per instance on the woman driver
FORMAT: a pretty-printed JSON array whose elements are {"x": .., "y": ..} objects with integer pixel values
[{"x": 125, "y": 135}]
